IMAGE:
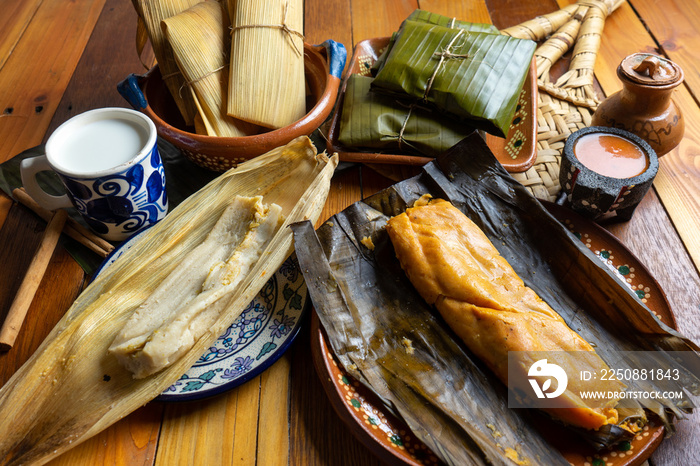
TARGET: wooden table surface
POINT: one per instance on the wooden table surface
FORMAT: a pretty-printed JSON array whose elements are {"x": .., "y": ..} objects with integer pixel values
[{"x": 58, "y": 59}]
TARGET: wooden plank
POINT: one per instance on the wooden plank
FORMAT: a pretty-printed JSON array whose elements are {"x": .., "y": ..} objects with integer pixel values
[
  {"x": 310, "y": 445},
  {"x": 15, "y": 18},
  {"x": 673, "y": 24},
  {"x": 273, "y": 424},
  {"x": 475, "y": 12},
  {"x": 132, "y": 441},
  {"x": 55, "y": 37},
  {"x": 328, "y": 19},
  {"x": 378, "y": 19}
]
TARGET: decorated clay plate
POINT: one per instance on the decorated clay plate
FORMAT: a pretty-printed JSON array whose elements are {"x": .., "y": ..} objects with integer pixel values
[
  {"x": 253, "y": 342},
  {"x": 517, "y": 152},
  {"x": 391, "y": 440}
]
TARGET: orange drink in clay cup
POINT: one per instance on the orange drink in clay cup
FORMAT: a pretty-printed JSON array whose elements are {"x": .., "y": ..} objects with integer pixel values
[{"x": 605, "y": 172}]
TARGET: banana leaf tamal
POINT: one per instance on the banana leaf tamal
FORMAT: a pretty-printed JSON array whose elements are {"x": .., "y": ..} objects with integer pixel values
[
  {"x": 446, "y": 395},
  {"x": 454, "y": 267},
  {"x": 424, "y": 16},
  {"x": 469, "y": 75},
  {"x": 371, "y": 120}
]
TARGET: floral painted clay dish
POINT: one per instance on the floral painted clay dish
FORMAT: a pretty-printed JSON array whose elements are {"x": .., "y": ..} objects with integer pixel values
[
  {"x": 391, "y": 440},
  {"x": 517, "y": 152},
  {"x": 252, "y": 343}
]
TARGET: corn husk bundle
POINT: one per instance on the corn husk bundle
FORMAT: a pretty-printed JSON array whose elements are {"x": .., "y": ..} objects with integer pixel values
[
  {"x": 423, "y": 16},
  {"x": 371, "y": 120},
  {"x": 71, "y": 388},
  {"x": 151, "y": 13},
  {"x": 200, "y": 40},
  {"x": 581, "y": 24},
  {"x": 473, "y": 76},
  {"x": 388, "y": 338},
  {"x": 266, "y": 81}
]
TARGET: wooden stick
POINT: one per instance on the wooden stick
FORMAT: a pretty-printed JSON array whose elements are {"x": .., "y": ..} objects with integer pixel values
[
  {"x": 30, "y": 283},
  {"x": 72, "y": 229}
]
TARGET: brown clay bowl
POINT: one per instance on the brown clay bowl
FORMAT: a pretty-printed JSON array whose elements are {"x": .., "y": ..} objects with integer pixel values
[{"x": 323, "y": 65}]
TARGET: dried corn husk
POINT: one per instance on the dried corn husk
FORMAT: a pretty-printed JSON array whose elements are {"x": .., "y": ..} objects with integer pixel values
[
  {"x": 151, "y": 13},
  {"x": 266, "y": 83},
  {"x": 62, "y": 396},
  {"x": 200, "y": 40}
]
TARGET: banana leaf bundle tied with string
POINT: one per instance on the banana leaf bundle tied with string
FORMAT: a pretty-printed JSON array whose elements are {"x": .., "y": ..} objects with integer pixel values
[
  {"x": 200, "y": 40},
  {"x": 211, "y": 255},
  {"x": 424, "y": 16},
  {"x": 473, "y": 76},
  {"x": 451, "y": 398},
  {"x": 371, "y": 120}
]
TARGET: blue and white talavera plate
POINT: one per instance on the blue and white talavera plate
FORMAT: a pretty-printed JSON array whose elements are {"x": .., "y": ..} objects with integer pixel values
[{"x": 260, "y": 335}]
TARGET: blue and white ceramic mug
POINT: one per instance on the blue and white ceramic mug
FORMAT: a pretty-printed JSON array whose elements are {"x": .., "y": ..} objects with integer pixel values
[{"x": 108, "y": 161}]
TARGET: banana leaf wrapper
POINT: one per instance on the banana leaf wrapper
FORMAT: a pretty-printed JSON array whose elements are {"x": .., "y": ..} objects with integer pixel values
[
  {"x": 372, "y": 120},
  {"x": 424, "y": 16},
  {"x": 470, "y": 75},
  {"x": 449, "y": 400}
]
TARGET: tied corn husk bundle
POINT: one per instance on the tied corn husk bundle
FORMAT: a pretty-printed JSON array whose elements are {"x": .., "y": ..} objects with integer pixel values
[
  {"x": 266, "y": 77},
  {"x": 71, "y": 388},
  {"x": 423, "y": 16},
  {"x": 473, "y": 76},
  {"x": 151, "y": 13},
  {"x": 579, "y": 25},
  {"x": 200, "y": 40},
  {"x": 387, "y": 337},
  {"x": 371, "y": 120}
]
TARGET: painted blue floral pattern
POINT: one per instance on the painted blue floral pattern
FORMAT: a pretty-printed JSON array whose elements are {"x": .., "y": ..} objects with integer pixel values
[
  {"x": 122, "y": 204},
  {"x": 253, "y": 342}
]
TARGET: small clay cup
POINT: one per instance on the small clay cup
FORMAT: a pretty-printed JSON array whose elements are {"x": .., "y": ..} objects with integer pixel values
[{"x": 599, "y": 197}]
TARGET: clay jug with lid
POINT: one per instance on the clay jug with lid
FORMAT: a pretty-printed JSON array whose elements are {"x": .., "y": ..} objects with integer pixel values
[{"x": 644, "y": 105}]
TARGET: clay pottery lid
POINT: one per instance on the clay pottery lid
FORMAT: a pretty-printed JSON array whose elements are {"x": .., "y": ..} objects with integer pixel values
[{"x": 650, "y": 70}]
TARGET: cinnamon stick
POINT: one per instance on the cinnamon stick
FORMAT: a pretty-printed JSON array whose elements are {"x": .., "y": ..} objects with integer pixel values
[
  {"x": 72, "y": 228},
  {"x": 32, "y": 279}
]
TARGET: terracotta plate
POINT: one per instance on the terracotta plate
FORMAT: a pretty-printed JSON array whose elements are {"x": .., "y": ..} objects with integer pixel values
[
  {"x": 391, "y": 440},
  {"x": 517, "y": 152}
]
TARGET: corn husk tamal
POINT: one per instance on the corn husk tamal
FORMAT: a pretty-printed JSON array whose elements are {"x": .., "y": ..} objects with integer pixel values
[
  {"x": 470, "y": 75},
  {"x": 151, "y": 13},
  {"x": 266, "y": 79},
  {"x": 200, "y": 39},
  {"x": 72, "y": 387}
]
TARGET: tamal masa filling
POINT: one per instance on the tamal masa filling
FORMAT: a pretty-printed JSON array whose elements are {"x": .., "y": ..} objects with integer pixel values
[
  {"x": 454, "y": 266},
  {"x": 190, "y": 299}
]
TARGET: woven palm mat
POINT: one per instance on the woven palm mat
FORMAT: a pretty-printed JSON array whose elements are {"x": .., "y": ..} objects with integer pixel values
[{"x": 556, "y": 120}]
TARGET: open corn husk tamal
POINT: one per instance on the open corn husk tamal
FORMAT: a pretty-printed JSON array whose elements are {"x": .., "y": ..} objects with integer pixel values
[
  {"x": 389, "y": 338},
  {"x": 73, "y": 386}
]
